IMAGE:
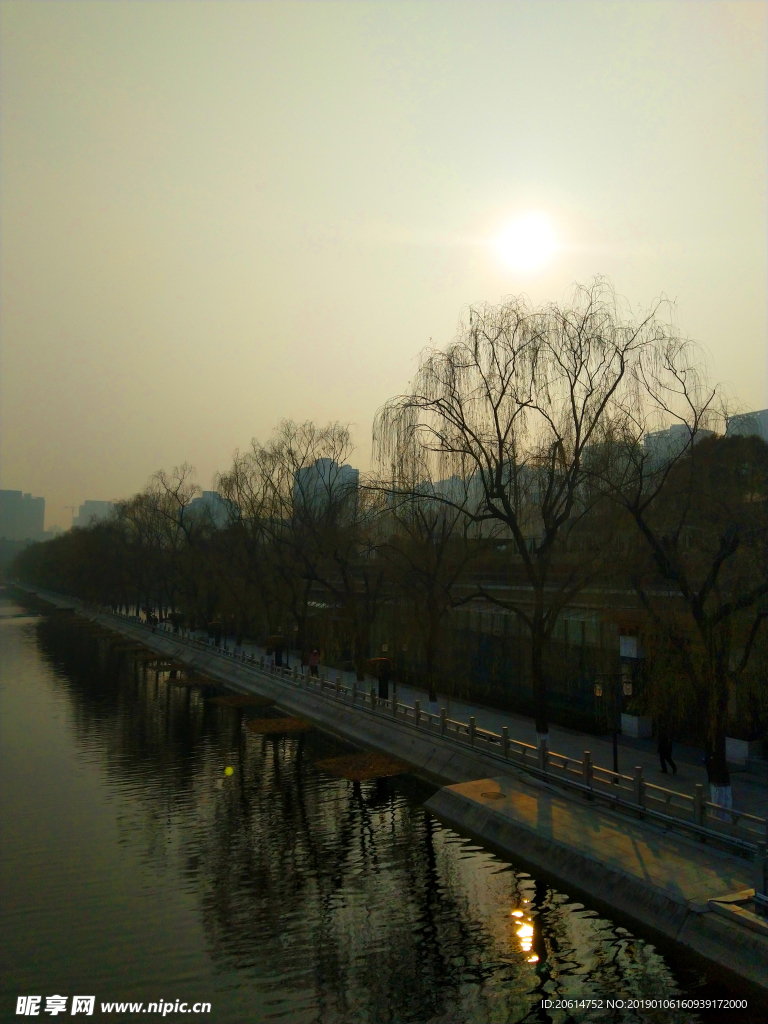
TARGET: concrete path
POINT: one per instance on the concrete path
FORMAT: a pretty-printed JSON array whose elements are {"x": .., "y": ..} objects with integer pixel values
[
  {"x": 687, "y": 872},
  {"x": 750, "y": 793},
  {"x": 660, "y": 879}
]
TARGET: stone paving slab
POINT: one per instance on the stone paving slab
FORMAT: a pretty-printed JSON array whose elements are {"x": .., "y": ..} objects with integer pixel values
[
  {"x": 657, "y": 879},
  {"x": 674, "y": 864}
]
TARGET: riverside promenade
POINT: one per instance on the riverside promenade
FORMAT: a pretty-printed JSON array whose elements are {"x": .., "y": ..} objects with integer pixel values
[
  {"x": 645, "y": 871},
  {"x": 750, "y": 792}
]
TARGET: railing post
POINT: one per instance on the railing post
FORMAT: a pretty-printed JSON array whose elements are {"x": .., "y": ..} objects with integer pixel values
[
  {"x": 472, "y": 730},
  {"x": 394, "y": 703},
  {"x": 443, "y": 724},
  {"x": 639, "y": 786},
  {"x": 699, "y": 805},
  {"x": 354, "y": 691},
  {"x": 416, "y": 712},
  {"x": 760, "y": 861},
  {"x": 337, "y": 687},
  {"x": 586, "y": 769},
  {"x": 373, "y": 698},
  {"x": 543, "y": 758},
  {"x": 505, "y": 741}
]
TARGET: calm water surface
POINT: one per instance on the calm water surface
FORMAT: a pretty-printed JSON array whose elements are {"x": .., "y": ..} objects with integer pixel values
[{"x": 134, "y": 869}]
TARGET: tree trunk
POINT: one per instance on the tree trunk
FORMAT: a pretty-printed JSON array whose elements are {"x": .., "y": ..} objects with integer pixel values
[
  {"x": 359, "y": 652},
  {"x": 359, "y": 667},
  {"x": 431, "y": 650},
  {"x": 717, "y": 767},
  {"x": 719, "y": 777},
  {"x": 539, "y": 687}
]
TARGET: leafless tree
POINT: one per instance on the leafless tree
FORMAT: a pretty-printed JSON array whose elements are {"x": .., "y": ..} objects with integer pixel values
[
  {"x": 429, "y": 544},
  {"x": 517, "y": 406},
  {"x": 304, "y": 520},
  {"x": 698, "y": 503}
]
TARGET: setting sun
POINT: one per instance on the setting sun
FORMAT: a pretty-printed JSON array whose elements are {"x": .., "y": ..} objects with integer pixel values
[{"x": 528, "y": 242}]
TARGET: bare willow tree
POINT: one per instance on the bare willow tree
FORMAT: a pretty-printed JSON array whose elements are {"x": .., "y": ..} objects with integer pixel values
[
  {"x": 698, "y": 502},
  {"x": 267, "y": 535},
  {"x": 253, "y": 490},
  {"x": 166, "y": 532},
  {"x": 335, "y": 520},
  {"x": 305, "y": 526},
  {"x": 141, "y": 528},
  {"x": 180, "y": 530},
  {"x": 518, "y": 406},
  {"x": 429, "y": 544},
  {"x": 307, "y": 478}
]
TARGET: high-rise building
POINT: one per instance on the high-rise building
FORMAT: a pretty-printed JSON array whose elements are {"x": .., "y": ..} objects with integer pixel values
[
  {"x": 748, "y": 424},
  {"x": 211, "y": 507},
  {"x": 92, "y": 512},
  {"x": 324, "y": 484},
  {"x": 22, "y": 516},
  {"x": 668, "y": 444}
]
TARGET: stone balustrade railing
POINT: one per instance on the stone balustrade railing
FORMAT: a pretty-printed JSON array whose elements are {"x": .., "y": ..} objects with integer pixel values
[{"x": 739, "y": 831}]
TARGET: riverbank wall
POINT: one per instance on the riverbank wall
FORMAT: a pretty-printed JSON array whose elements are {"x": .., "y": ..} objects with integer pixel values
[{"x": 692, "y": 897}]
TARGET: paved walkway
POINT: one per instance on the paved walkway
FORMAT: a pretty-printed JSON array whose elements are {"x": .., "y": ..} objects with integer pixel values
[
  {"x": 750, "y": 793},
  {"x": 660, "y": 879},
  {"x": 683, "y": 869}
]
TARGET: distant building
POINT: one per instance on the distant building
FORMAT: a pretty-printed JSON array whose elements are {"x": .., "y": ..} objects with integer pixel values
[
  {"x": 211, "y": 507},
  {"x": 323, "y": 484},
  {"x": 668, "y": 444},
  {"x": 22, "y": 517},
  {"x": 91, "y": 512},
  {"x": 749, "y": 424}
]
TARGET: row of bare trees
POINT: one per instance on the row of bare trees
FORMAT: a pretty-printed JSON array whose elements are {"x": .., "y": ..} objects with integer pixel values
[{"x": 582, "y": 439}]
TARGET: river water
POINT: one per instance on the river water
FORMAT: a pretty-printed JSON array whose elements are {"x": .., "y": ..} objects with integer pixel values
[{"x": 134, "y": 869}]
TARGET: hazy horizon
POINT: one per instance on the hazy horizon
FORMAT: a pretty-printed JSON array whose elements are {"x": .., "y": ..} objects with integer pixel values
[{"x": 219, "y": 215}]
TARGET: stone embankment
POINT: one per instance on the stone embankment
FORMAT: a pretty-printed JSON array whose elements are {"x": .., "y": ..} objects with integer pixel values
[{"x": 687, "y": 892}]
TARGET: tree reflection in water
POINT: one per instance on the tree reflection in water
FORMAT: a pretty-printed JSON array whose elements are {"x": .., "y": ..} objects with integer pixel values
[{"x": 332, "y": 900}]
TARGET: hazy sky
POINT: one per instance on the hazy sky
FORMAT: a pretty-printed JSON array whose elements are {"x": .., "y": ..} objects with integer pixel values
[{"x": 216, "y": 215}]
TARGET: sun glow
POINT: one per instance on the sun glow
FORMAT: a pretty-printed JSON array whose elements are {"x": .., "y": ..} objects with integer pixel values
[{"x": 528, "y": 242}]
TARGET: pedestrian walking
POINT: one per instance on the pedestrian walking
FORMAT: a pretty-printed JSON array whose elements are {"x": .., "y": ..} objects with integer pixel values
[
  {"x": 314, "y": 662},
  {"x": 665, "y": 749}
]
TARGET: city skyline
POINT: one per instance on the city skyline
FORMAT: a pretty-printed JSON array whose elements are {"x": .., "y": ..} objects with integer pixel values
[{"x": 91, "y": 510}]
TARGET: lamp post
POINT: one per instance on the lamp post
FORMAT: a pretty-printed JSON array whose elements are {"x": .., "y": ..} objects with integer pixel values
[{"x": 622, "y": 687}]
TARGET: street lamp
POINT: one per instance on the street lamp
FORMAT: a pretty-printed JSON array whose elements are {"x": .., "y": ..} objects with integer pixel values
[{"x": 622, "y": 686}]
